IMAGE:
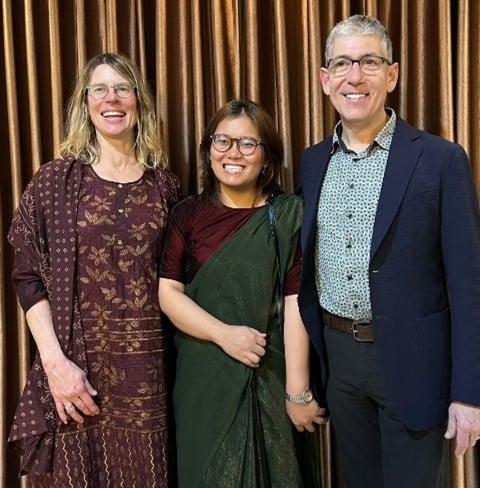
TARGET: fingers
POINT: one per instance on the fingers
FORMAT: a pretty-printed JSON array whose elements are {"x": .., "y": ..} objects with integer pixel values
[
  {"x": 260, "y": 337},
  {"x": 252, "y": 360},
  {"x": 246, "y": 344},
  {"x": 463, "y": 426},
  {"x": 76, "y": 408},
  {"x": 463, "y": 442},
  {"x": 61, "y": 412},
  {"x": 86, "y": 403},
  {"x": 473, "y": 440},
  {"x": 90, "y": 389},
  {"x": 73, "y": 413},
  {"x": 306, "y": 416}
]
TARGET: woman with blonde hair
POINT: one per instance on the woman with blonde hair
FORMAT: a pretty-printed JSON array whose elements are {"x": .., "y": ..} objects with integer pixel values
[{"x": 87, "y": 234}]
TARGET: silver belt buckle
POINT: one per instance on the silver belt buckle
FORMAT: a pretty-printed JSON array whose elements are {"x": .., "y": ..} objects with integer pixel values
[{"x": 355, "y": 324}]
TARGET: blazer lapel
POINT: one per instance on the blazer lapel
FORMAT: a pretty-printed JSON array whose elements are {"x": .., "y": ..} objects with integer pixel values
[{"x": 403, "y": 157}]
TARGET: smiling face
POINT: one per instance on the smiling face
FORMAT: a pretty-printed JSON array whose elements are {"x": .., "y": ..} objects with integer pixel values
[
  {"x": 234, "y": 171},
  {"x": 114, "y": 117},
  {"x": 359, "y": 98}
]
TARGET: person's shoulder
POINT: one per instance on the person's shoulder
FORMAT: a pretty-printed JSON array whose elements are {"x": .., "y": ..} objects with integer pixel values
[
  {"x": 55, "y": 169},
  {"x": 430, "y": 140},
  {"x": 289, "y": 201},
  {"x": 170, "y": 184},
  {"x": 57, "y": 164},
  {"x": 187, "y": 206},
  {"x": 167, "y": 176}
]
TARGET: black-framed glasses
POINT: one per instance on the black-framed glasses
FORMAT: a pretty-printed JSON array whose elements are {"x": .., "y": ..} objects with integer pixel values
[
  {"x": 369, "y": 64},
  {"x": 245, "y": 145},
  {"x": 100, "y": 90}
]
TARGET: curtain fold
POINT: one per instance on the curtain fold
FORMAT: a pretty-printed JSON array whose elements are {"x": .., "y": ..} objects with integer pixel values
[{"x": 196, "y": 55}]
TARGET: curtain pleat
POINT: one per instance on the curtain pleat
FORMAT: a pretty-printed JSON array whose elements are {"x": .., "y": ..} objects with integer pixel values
[{"x": 196, "y": 55}]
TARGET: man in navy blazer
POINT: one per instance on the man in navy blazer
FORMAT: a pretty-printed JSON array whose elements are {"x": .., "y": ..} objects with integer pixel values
[{"x": 390, "y": 289}]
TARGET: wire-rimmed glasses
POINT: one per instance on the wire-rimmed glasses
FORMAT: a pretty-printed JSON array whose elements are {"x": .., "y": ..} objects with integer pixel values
[{"x": 99, "y": 91}]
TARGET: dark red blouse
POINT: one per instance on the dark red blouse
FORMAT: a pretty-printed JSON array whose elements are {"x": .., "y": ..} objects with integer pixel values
[{"x": 196, "y": 229}]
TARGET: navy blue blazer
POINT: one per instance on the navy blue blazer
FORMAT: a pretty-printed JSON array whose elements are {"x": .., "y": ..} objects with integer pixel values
[{"x": 424, "y": 274}]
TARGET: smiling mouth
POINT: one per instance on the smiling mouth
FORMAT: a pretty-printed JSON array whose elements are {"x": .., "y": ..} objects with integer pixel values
[
  {"x": 113, "y": 113},
  {"x": 355, "y": 96},
  {"x": 233, "y": 168}
]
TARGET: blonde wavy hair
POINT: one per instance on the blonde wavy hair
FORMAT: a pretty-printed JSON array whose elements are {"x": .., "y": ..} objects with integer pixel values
[{"x": 80, "y": 138}]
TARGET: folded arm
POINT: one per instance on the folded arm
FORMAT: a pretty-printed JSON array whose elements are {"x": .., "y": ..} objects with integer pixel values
[{"x": 241, "y": 342}]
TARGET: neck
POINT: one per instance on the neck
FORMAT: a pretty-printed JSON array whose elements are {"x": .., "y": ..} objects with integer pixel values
[
  {"x": 117, "y": 162},
  {"x": 358, "y": 137},
  {"x": 239, "y": 199},
  {"x": 117, "y": 151}
]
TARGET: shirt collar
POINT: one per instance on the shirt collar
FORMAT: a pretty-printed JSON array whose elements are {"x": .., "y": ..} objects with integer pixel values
[{"x": 383, "y": 138}]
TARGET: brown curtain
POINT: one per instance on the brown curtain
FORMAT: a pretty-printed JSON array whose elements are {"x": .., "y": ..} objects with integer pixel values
[{"x": 196, "y": 55}]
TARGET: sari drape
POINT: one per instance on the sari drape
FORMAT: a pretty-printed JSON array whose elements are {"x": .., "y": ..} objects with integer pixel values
[{"x": 232, "y": 427}]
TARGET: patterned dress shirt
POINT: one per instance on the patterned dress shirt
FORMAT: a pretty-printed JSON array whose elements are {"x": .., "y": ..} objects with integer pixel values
[{"x": 346, "y": 215}]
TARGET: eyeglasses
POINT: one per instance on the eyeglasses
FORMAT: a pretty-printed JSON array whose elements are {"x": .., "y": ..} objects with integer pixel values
[
  {"x": 100, "y": 91},
  {"x": 245, "y": 145},
  {"x": 369, "y": 64}
]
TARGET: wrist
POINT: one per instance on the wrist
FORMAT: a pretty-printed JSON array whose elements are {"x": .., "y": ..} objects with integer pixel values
[
  {"x": 306, "y": 396},
  {"x": 52, "y": 359}
]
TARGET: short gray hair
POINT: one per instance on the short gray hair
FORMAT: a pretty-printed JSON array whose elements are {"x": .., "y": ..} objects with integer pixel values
[{"x": 362, "y": 25}]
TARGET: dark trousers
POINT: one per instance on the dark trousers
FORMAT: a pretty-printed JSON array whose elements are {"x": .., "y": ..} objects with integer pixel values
[{"x": 374, "y": 448}]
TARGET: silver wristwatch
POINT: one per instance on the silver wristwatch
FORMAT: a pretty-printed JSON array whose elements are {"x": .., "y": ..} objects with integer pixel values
[{"x": 304, "y": 397}]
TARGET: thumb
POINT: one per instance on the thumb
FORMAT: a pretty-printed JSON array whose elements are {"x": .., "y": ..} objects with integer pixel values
[{"x": 451, "y": 427}]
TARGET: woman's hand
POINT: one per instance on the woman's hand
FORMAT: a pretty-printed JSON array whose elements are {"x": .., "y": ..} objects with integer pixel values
[
  {"x": 68, "y": 383},
  {"x": 243, "y": 343},
  {"x": 71, "y": 391},
  {"x": 305, "y": 415}
]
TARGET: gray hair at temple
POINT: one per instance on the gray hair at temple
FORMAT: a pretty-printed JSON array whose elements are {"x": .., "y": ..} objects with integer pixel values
[{"x": 359, "y": 25}]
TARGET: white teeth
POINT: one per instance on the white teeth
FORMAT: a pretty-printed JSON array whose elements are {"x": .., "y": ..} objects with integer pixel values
[
  {"x": 113, "y": 113},
  {"x": 233, "y": 168},
  {"x": 355, "y": 96}
]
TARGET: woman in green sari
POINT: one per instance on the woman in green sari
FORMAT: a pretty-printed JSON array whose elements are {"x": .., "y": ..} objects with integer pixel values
[{"x": 238, "y": 354}]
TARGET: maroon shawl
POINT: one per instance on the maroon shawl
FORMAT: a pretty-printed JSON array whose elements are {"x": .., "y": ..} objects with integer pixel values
[{"x": 43, "y": 233}]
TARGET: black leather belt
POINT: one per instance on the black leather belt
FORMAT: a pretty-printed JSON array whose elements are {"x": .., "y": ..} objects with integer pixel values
[{"x": 362, "y": 330}]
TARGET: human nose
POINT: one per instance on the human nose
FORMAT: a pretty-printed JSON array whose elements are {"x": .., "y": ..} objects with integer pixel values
[
  {"x": 234, "y": 147},
  {"x": 111, "y": 93},
  {"x": 355, "y": 71}
]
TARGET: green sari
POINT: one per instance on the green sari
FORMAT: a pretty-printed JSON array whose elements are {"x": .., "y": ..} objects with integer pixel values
[{"x": 232, "y": 427}]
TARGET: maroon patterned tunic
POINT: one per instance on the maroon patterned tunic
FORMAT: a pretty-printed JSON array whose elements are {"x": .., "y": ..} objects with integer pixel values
[{"x": 119, "y": 230}]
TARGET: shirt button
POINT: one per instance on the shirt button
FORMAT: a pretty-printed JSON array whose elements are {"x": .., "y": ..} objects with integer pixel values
[
  {"x": 355, "y": 305},
  {"x": 120, "y": 185},
  {"x": 120, "y": 210},
  {"x": 349, "y": 246},
  {"x": 349, "y": 277},
  {"x": 119, "y": 242},
  {"x": 351, "y": 185},
  {"x": 350, "y": 216}
]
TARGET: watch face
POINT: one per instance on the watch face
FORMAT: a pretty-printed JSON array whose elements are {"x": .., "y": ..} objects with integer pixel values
[{"x": 308, "y": 396}]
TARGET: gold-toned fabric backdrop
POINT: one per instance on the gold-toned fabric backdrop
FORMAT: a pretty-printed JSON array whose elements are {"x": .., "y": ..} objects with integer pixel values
[{"x": 196, "y": 55}]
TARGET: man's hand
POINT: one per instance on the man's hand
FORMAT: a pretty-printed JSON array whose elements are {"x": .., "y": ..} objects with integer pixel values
[{"x": 463, "y": 425}]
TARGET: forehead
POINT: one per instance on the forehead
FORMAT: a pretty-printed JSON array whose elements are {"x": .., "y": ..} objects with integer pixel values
[
  {"x": 104, "y": 73},
  {"x": 238, "y": 125},
  {"x": 357, "y": 45}
]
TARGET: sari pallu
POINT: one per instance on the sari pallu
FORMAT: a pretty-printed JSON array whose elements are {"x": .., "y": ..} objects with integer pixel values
[{"x": 232, "y": 427}]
